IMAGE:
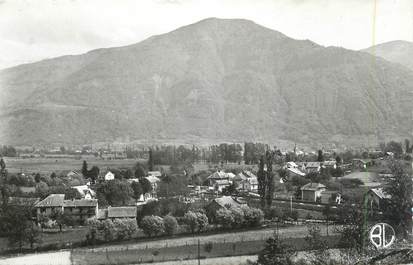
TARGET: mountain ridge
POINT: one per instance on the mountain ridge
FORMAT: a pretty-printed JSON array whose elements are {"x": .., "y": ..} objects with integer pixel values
[{"x": 214, "y": 80}]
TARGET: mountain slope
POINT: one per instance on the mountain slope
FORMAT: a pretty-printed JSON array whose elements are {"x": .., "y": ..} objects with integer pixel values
[
  {"x": 400, "y": 52},
  {"x": 215, "y": 80}
]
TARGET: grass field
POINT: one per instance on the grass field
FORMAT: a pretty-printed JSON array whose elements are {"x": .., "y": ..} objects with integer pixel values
[{"x": 49, "y": 165}]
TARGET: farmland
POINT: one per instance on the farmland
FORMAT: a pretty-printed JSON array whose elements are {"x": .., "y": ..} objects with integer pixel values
[{"x": 49, "y": 165}]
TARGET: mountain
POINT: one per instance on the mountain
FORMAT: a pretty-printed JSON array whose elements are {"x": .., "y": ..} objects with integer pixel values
[
  {"x": 212, "y": 81},
  {"x": 400, "y": 52}
]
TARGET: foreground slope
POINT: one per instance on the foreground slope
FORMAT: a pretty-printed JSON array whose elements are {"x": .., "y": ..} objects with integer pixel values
[{"x": 215, "y": 80}]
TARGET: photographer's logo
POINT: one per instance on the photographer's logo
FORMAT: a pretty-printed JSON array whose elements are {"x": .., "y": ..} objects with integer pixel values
[{"x": 382, "y": 235}]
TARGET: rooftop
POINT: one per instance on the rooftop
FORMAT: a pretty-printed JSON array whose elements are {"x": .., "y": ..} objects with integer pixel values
[
  {"x": 122, "y": 212},
  {"x": 313, "y": 186}
]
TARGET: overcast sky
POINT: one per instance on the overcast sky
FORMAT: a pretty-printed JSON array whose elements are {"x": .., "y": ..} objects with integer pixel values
[{"x": 32, "y": 30}]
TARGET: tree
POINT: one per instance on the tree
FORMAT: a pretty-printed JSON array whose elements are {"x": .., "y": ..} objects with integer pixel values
[
  {"x": 93, "y": 174},
  {"x": 33, "y": 233},
  {"x": 276, "y": 252},
  {"x": 224, "y": 218},
  {"x": 398, "y": 207},
  {"x": 196, "y": 221},
  {"x": 125, "y": 228},
  {"x": 394, "y": 147},
  {"x": 146, "y": 185},
  {"x": 229, "y": 190},
  {"x": 71, "y": 194},
  {"x": 2, "y": 164},
  {"x": 261, "y": 181},
  {"x": 327, "y": 212},
  {"x": 18, "y": 224},
  {"x": 253, "y": 216},
  {"x": 409, "y": 148},
  {"x": 37, "y": 177},
  {"x": 150, "y": 160},
  {"x": 84, "y": 169},
  {"x": 318, "y": 254},
  {"x": 114, "y": 192},
  {"x": 62, "y": 219},
  {"x": 136, "y": 190},
  {"x": 320, "y": 156},
  {"x": 152, "y": 225},
  {"x": 270, "y": 179},
  {"x": 139, "y": 171},
  {"x": 353, "y": 234},
  {"x": 171, "y": 225}
]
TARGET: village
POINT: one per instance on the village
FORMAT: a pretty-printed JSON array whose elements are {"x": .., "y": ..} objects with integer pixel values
[{"x": 150, "y": 199}]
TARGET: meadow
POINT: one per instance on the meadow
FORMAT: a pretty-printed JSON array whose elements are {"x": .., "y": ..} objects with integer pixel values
[{"x": 49, "y": 165}]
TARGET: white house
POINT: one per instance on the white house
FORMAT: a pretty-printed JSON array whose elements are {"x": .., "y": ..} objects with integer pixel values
[{"x": 109, "y": 176}]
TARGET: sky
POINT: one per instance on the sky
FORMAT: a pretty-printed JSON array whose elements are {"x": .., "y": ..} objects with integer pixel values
[{"x": 32, "y": 30}]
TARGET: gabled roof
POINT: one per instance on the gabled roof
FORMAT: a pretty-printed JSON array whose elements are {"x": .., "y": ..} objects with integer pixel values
[
  {"x": 296, "y": 171},
  {"x": 23, "y": 201},
  {"x": 222, "y": 182},
  {"x": 240, "y": 177},
  {"x": 122, "y": 212},
  {"x": 226, "y": 201},
  {"x": 313, "y": 164},
  {"x": 249, "y": 174},
  {"x": 219, "y": 175},
  {"x": 154, "y": 173},
  {"x": 80, "y": 203},
  {"x": 313, "y": 186},
  {"x": 83, "y": 189},
  {"x": 53, "y": 200},
  {"x": 291, "y": 164},
  {"x": 153, "y": 179},
  {"x": 27, "y": 189},
  {"x": 329, "y": 163},
  {"x": 381, "y": 193},
  {"x": 253, "y": 181}
]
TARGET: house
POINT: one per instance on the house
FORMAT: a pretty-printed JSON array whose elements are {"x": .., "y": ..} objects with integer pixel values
[
  {"x": 219, "y": 180},
  {"x": 124, "y": 212},
  {"x": 376, "y": 198},
  {"x": 239, "y": 180},
  {"x": 52, "y": 203},
  {"x": 222, "y": 203},
  {"x": 74, "y": 174},
  {"x": 85, "y": 191},
  {"x": 312, "y": 192},
  {"x": 154, "y": 182},
  {"x": 246, "y": 181},
  {"x": 359, "y": 163},
  {"x": 292, "y": 172},
  {"x": 312, "y": 167},
  {"x": 79, "y": 209},
  {"x": 330, "y": 197},
  {"x": 291, "y": 165},
  {"x": 109, "y": 176},
  {"x": 82, "y": 209},
  {"x": 157, "y": 174},
  {"x": 25, "y": 189},
  {"x": 330, "y": 164}
]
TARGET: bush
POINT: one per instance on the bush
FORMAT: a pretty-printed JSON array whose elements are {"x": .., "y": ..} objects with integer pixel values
[
  {"x": 351, "y": 183},
  {"x": 171, "y": 225},
  {"x": 196, "y": 221},
  {"x": 225, "y": 218},
  {"x": 152, "y": 225},
  {"x": 253, "y": 216},
  {"x": 125, "y": 228},
  {"x": 208, "y": 247}
]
